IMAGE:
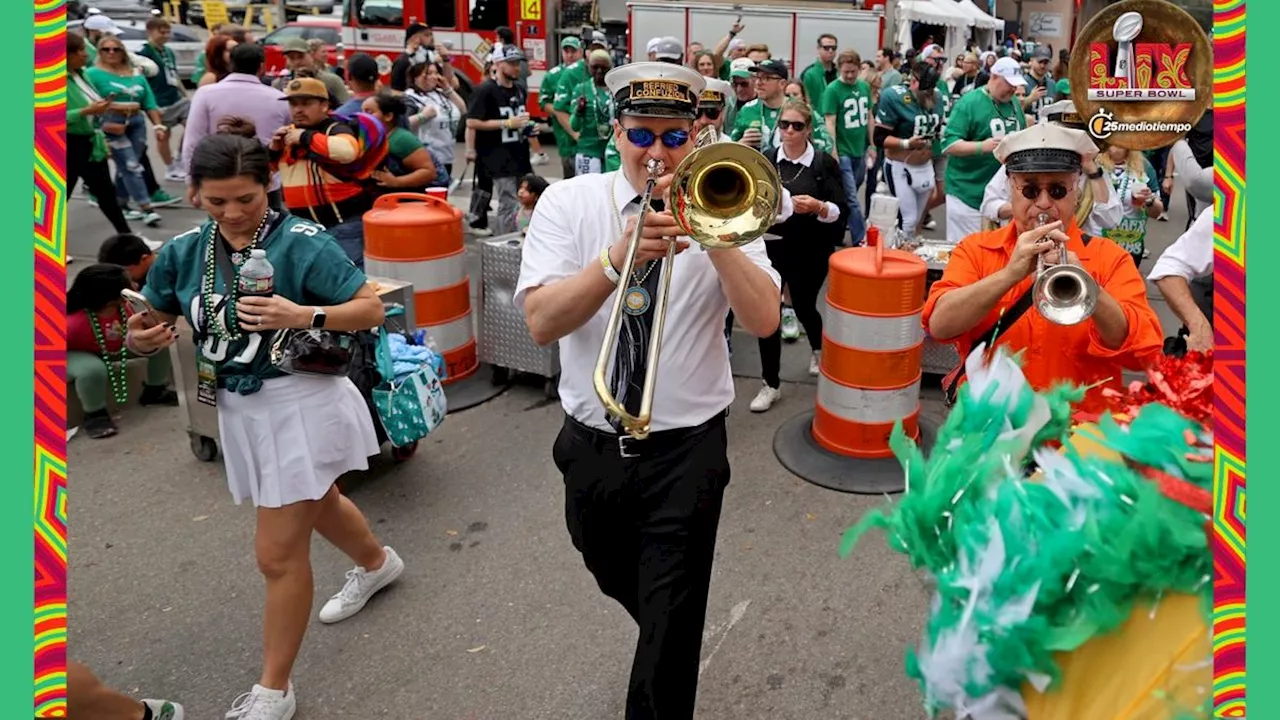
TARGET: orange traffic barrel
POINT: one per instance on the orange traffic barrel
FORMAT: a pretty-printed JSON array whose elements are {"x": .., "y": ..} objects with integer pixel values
[
  {"x": 872, "y": 340},
  {"x": 418, "y": 239}
]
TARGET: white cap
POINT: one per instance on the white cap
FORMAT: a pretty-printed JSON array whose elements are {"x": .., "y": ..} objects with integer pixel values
[
  {"x": 736, "y": 43},
  {"x": 1010, "y": 70},
  {"x": 655, "y": 89},
  {"x": 1045, "y": 147},
  {"x": 717, "y": 91},
  {"x": 929, "y": 50},
  {"x": 653, "y": 43},
  {"x": 101, "y": 23},
  {"x": 667, "y": 48}
]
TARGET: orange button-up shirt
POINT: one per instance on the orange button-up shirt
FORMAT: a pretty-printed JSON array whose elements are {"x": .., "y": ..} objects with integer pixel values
[{"x": 1057, "y": 353}]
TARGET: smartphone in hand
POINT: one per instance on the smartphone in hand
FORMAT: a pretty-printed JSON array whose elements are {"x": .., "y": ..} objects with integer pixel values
[{"x": 139, "y": 305}]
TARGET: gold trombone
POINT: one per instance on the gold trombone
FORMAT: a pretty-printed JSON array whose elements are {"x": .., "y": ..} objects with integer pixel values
[{"x": 722, "y": 195}]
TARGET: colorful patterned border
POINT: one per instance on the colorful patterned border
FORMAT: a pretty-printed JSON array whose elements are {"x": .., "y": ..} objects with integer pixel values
[
  {"x": 50, "y": 362},
  {"x": 1229, "y": 359}
]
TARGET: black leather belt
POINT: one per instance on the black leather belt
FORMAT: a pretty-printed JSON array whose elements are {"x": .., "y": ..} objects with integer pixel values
[{"x": 655, "y": 444}]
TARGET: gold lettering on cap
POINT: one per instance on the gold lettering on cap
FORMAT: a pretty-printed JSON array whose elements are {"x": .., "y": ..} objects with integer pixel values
[
  {"x": 670, "y": 90},
  {"x": 712, "y": 95}
]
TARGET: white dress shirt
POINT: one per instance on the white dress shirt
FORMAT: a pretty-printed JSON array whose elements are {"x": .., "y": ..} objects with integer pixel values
[
  {"x": 805, "y": 159},
  {"x": 1190, "y": 256},
  {"x": 572, "y": 224},
  {"x": 1104, "y": 214}
]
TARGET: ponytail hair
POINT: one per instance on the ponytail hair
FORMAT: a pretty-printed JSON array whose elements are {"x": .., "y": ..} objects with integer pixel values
[{"x": 96, "y": 287}]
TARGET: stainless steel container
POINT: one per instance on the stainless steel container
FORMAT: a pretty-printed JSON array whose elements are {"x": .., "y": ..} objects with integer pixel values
[{"x": 504, "y": 340}]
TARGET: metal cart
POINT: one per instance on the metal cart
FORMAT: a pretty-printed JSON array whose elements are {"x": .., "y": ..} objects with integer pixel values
[
  {"x": 504, "y": 342},
  {"x": 202, "y": 420}
]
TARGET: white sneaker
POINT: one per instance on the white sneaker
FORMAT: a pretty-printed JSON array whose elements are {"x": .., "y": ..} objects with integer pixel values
[
  {"x": 151, "y": 219},
  {"x": 790, "y": 325},
  {"x": 539, "y": 159},
  {"x": 480, "y": 232},
  {"x": 175, "y": 175},
  {"x": 765, "y": 398},
  {"x": 815, "y": 363},
  {"x": 931, "y": 224},
  {"x": 361, "y": 585},
  {"x": 263, "y": 704},
  {"x": 164, "y": 710}
]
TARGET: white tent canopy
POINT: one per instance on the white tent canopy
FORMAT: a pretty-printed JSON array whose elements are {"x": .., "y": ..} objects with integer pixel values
[
  {"x": 980, "y": 18},
  {"x": 933, "y": 12},
  {"x": 957, "y": 17}
]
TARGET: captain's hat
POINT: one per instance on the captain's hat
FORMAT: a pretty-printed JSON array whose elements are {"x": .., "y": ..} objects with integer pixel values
[
  {"x": 1062, "y": 112},
  {"x": 716, "y": 92},
  {"x": 1045, "y": 147},
  {"x": 655, "y": 89}
]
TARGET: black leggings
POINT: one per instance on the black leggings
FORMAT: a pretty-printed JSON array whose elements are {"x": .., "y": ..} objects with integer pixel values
[
  {"x": 96, "y": 176},
  {"x": 803, "y": 269}
]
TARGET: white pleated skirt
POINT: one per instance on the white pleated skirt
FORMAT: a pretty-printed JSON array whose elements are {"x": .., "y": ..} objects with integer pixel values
[{"x": 292, "y": 439}]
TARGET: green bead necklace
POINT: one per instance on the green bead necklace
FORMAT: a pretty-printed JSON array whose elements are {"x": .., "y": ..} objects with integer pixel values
[
  {"x": 229, "y": 331},
  {"x": 117, "y": 370}
]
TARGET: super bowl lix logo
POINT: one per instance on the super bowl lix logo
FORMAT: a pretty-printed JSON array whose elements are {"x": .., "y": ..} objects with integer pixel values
[{"x": 1144, "y": 71}]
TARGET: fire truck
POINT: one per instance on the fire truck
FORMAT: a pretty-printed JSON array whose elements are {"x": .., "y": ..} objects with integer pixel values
[{"x": 465, "y": 29}]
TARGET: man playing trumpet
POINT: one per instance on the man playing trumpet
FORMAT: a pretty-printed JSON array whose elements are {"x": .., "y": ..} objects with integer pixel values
[
  {"x": 988, "y": 292},
  {"x": 644, "y": 513}
]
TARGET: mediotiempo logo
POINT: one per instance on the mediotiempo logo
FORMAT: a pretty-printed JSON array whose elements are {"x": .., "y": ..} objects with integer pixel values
[{"x": 1103, "y": 124}]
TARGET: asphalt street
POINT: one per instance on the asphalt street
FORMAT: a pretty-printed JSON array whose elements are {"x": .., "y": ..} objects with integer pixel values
[{"x": 495, "y": 617}]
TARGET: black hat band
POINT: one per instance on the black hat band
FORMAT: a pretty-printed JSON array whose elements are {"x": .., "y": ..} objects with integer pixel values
[
  {"x": 1043, "y": 160},
  {"x": 657, "y": 97}
]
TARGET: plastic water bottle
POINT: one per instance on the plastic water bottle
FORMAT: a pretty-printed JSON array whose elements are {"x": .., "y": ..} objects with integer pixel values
[
  {"x": 256, "y": 276},
  {"x": 883, "y": 214}
]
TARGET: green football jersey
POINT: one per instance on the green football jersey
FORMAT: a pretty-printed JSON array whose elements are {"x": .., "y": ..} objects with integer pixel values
[
  {"x": 900, "y": 111},
  {"x": 975, "y": 117},
  {"x": 547, "y": 98},
  {"x": 569, "y": 79},
  {"x": 612, "y": 160},
  {"x": 760, "y": 116},
  {"x": 595, "y": 126},
  {"x": 851, "y": 106},
  {"x": 310, "y": 269}
]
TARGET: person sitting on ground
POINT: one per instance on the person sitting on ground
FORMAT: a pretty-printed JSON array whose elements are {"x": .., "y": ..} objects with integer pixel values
[
  {"x": 133, "y": 253},
  {"x": 531, "y": 188},
  {"x": 96, "y": 356}
]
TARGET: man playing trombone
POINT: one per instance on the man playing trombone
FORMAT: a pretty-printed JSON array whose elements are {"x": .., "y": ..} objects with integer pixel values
[
  {"x": 1074, "y": 305},
  {"x": 644, "y": 512}
]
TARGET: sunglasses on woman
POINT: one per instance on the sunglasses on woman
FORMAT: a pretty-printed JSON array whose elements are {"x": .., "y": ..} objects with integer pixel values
[
  {"x": 1031, "y": 191},
  {"x": 796, "y": 125},
  {"x": 644, "y": 137},
  {"x": 110, "y": 50},
  {"x": 711, "y": 113}
]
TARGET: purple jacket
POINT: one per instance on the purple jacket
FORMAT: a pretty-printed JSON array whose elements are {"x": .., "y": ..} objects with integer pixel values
[{"x": 236, "y": 94}]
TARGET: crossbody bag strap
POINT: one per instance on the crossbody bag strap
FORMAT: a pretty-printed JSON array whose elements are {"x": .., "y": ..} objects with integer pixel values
[{"x": 1011, "y": 316}]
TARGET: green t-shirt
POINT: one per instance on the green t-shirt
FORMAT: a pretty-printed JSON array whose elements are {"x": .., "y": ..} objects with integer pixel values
[
  {"x": 570, "y": 78},
  {"x": 851, "y": 106},
  {"x": 547, "y": 98},
  {"x": 201, "y": 68},
  {"x": 127, "y": 88},
  {"x": 756, "y": 114},
  {"x": 594, "y": 127},
  {"x": 612, "y": 160},
  {"x": 310, "y": 269},
  {"x": 402, "y": 143},
  {"x": 815, "y": 79},
  {"x": 1131, "y": 233},
  {"x": 975, "y": 117},
  {"x": 166, "y": 85},
  {"x": 821, "y": 139}
]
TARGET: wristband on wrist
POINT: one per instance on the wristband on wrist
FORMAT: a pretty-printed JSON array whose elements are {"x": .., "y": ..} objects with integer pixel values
[{"x": 607, "y": 265}]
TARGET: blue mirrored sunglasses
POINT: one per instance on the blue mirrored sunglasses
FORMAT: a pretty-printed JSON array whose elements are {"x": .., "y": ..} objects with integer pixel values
[{"x": 643, "y": 137}]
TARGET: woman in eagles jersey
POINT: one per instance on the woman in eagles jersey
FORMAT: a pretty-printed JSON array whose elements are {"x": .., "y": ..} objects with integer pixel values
[
  {"x": 285, "y": 438},
  {"x": 908, "y": 118}
]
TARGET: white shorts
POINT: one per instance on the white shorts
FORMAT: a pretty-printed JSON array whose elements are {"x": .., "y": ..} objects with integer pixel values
[
  {"x": 586, "y": 165},
  {"x": 962, "y": 220},
  {"x": 292, "y": 439},
  {"x": 912, "y": 185}
]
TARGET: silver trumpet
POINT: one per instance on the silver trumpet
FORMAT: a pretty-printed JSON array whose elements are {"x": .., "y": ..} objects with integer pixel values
[{"x": 1065, "y": 294}]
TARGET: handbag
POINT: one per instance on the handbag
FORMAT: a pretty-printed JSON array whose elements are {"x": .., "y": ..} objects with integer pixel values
[{"x": 413, "y": 407}]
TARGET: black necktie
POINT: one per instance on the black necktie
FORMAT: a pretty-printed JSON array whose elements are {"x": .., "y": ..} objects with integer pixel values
[{"x": 631, "y": 357}]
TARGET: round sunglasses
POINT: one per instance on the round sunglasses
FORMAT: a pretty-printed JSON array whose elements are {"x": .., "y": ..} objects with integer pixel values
[
  {"x": 1031, "y": 191},
  {"x": 710, "y": 113},
  {"x": 644, "y": 137}
]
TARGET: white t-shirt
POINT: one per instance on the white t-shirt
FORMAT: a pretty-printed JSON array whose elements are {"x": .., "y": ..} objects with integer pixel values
[
  {"x": 573, "y": 222},
  {"x": 438, "y": 133}
]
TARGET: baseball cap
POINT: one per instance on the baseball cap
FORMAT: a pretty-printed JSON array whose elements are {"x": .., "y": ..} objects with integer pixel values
[
  {"x": 771, "y": 67},
  {"x": 668, "y": 48},
  {"x": 1010, "y": 70},
  {"x": 101, "y": 23},
  {"x": 741, "y": 68},
  {"x": 295, "y": 44},
  {"x": 653, "y": 43},
  {"x": 599, "y": 38},
  {"x": 414, "y": 29},
  {"x": 737, "y": 44},
  {"x": 506, "y": 53},
  {"x": 1041, "y": 53},
  {"x": 362, "y": 68},
  {"x": 571, "y": 42},
  {"x": 306, "y": 88}
]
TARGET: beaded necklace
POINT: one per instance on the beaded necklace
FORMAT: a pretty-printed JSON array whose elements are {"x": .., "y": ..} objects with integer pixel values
[
  {"x": 601, "y": 111},
  {"x": 229, "y": 331},
  {"x": 117, "y": 370}
]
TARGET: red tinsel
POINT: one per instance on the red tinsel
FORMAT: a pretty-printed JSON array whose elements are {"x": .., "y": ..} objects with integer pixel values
[{"x": 1184, "y": 384}]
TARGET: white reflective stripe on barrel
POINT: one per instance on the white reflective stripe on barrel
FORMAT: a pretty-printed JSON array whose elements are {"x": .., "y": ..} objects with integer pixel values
[
  {"x": 451, "y": 335},
  {"x": 877, "y": 334},
  {"x": 868, "y": 406},
  {"x": 426, "y": 275}
]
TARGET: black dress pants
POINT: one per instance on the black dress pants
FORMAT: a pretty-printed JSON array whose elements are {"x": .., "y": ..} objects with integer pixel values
[
  {"x": 96, "y": 176},
  {"x": 803, "y": 267},
  {"x": 646, "y": 528}
]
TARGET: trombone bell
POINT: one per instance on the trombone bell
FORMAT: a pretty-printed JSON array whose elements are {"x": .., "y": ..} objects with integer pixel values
[{"x": 725, "y": 195}]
